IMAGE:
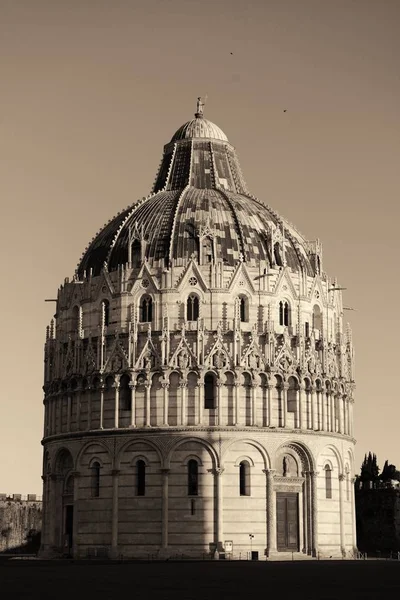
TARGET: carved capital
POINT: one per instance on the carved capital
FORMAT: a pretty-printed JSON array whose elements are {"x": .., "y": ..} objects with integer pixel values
[
  {"x": 342, "y": 477},
  {"x": 76, "y": 474},
  {"x": 115, "y": 472},
  {"x": 165, "y": 472},
  {"x": 269, "y": 473}
]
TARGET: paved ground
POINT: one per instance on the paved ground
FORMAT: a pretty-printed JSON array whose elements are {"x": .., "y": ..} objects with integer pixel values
[{"x": 323, "y": 580}]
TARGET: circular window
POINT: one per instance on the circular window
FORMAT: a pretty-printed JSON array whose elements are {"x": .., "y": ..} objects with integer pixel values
[
  {"x": 104, "y": 289},
  {"x": 192, "y": 281},
  {"x": 241, "y": 283},
  {"x": 145, "y": 283}
]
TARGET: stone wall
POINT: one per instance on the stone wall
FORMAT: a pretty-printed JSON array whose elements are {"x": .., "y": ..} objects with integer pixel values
[{"x": 19, "y": 516}]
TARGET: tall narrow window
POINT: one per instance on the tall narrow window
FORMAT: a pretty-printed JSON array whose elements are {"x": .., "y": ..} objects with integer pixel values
[
  {"x": 124, "y": 393},
  {"x": 347, "y": 486},
  {"x": 209, "y": 391},
  {"x": 317, "y": 317},
  {"x": 193, "y": 478},
  {"x": 146, "y": 310},
  {"x": 105, "y": 305},
  {"x": 95, "y": 479},
  {"x": 328, "y": 482},
  {"x": 277, "y": 255},
  {"x": 307, "y": 329},
  {"x": 284, "y": 313},
  {"x": 192, "y": 507},
  {"x": 136, "y": 254},
  {"x": 207, "y": 250},
  {"x": 244, "y": 478},
  {"x": 192, "y": 308},
  {"x": 140, "y": 478},
  {"x": 243, "y": 307}
]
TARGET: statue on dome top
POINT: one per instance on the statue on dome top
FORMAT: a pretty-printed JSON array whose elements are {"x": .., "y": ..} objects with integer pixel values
[{"x": 200, "y": 106}]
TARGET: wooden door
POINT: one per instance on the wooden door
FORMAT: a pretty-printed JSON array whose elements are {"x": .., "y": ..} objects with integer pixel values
[{"x": 287, "y": 521}]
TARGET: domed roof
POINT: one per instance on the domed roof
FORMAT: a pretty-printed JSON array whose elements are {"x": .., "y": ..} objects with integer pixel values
[
  {"x": 199, "y": 190},
  {"x": 199, "y": 128}
]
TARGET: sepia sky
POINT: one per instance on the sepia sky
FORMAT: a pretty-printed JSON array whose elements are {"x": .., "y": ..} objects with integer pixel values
[{"x": 91, "y": 90}]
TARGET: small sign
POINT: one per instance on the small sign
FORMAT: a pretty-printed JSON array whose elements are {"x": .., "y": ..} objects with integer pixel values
[{"x": 228, "y": 546}]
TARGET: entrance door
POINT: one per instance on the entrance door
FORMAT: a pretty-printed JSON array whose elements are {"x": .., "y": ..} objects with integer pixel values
[
  {"x": 69, "y": 523},
  {"x": 287, "y": 521}
]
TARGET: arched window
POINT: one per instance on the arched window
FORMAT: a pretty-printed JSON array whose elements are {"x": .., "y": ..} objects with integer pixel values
[
  {"x": 243, "y": 309},
  {"x": 284, "y": 313},
  {"x": 193, "y": 477},
  {"x": 209, "y": 391},
  {"x": 192, "y": 308},
  {"x": 124, "y": 393},
  {"x": 244, "y": 478},
  {"x": 307, "y": 329},
  {"x": 140, "y": 478},
  {"x": 146, "y": 310},
  {"x": 317, "y": 317},
  {"x": 328, "y": 482},
  {"x": 105, "y": 308},
  {"x": 277, "y": 255},
  {"x": 95, "y": 479}
]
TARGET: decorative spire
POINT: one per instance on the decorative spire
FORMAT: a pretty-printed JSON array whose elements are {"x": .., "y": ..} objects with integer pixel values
[{"x": 200, "y": 104}]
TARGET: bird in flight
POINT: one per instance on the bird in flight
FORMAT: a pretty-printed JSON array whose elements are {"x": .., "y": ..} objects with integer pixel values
[
  {"x": 285, "y": 110},
  {"x": 232, "y": 53}
]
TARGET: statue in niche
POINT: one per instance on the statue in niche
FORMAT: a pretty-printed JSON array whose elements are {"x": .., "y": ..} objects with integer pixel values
[
  {"x": 116, "y": 364},
  {"x": 183, "y": 360},
  {"x": 311, "y": 364},
  {"x": 285, "y": 467},
  {"x": 219, "y": 360},
  {"x": 148, "y": 360},
  {"x": 253, "y": 361}
]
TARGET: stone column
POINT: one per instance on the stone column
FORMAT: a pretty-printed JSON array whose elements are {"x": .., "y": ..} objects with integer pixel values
[
  {"x": 69, "y": 412},
  {"x": 254, "y": 388},
  {"x": 164, "y": 517},
  {"x": 116, "y": 405},
  {"x": 183, "y": 411},
  {"x": 219, "y": 401},
  {"x": 89, "y": 407},
  {"x": 52, "y": 510},
  {"x": 333, "y": 412},
  {"x": 147, "y": 387},
  {"x": 78, "y": 408},
  {"x": 314, "y": 508},
  {"x": 271, "y": 422},
  {"x": 200, "y": 402},
  {"x": 165, "y": 387},
  {"x": 53, "y": 414},
  {"x": 340, "y": 412},
  {"x": 314, "y": 408},
  {"x": 132, "y": 387},
  {"x": 75, "y": 529},
  {"x": 299, "y": 407},
  {"x": 284, "y": 390},
  {"x": 342, "y": 516},
  {"x": 114, "y": 522},
  {"x": 219, "y": 506},
  {"x": 45, "y": 513},
  {"x": 305, "y": 512},
  {"x": 351, "y": 405},
  {"x": 353, "y": 515},
  {"x": 271, "y": 512},
  {"x": 101, "y": 405},
  {"x": 323, "y": 410},
  {"x": 237, "y": 402}
]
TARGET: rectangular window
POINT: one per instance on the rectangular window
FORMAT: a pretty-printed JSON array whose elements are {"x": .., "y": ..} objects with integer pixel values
[{"x": 192, "y": 507}]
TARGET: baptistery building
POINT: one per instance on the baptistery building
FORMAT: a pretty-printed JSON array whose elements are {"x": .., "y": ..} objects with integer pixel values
[{"x": 199, "y": 380}]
